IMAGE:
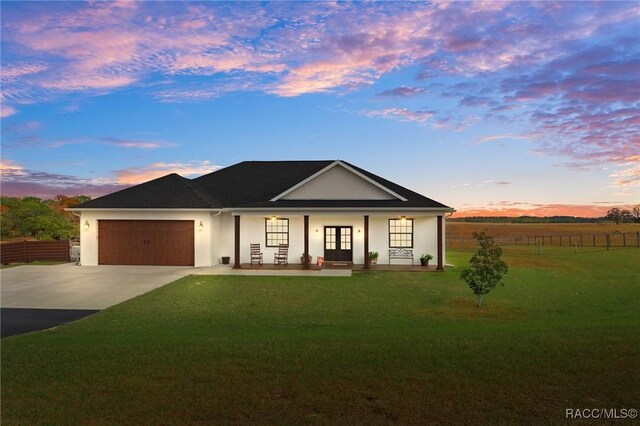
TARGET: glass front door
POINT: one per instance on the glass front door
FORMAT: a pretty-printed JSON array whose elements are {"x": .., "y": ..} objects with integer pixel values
[{"x": 338, "y": 243}]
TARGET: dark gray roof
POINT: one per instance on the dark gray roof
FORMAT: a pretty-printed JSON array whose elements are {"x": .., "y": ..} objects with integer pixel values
[
  {"x": 250, "y": 184},
  {"x": 167, "y": 192}
]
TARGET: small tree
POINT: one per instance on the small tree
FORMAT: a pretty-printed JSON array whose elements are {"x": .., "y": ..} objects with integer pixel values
[{"x": 486, "y": 269}]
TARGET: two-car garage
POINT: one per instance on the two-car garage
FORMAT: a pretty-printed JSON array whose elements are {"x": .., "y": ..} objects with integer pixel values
[{"x": 146, "y": 242}]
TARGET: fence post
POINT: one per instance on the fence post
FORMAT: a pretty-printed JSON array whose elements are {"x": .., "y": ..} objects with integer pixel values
[
  {"x": 539, "y": 247},
  {"x": 560, "y": 240},
  {"x": 461, "y": 243},
  {"x": 624, "y": 239},
  {"x": 638, "y": 239},
  {"x": 608, "y": 241},
  {"x": 580, "y": 240},
  {"x": 24, "y": 250},
  {"x": 594, "y": 240}
]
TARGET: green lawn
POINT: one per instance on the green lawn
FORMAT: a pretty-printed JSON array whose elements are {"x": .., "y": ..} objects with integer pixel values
[{"x": 376, "y": 348}]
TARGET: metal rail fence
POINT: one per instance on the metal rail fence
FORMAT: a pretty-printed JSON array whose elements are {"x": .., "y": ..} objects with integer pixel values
[{"x": 619, "y": 239}]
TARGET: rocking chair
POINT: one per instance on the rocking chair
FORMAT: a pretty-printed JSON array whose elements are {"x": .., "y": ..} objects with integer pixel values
[
  {"x": 282, "y": 256},
  {"x": 256, "y": 254}
]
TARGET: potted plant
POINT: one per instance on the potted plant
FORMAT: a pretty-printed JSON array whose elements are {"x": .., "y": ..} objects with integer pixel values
[
  {"x": 302, "y": 258},
  {"x": 424, "y": 259},
  {"x": 225, "y": 260},
  {"x": 373, "y": 257}
]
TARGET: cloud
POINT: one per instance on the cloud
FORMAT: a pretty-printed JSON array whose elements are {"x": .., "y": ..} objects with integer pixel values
[
  {"x": 402, "y": 91},
  {"x": 138, "y": 144},
  {"x": 628, "y": 175},
  {"x": 7, "y": 111},
  {"x": 11, "y": 73},
  {"x": 402, "y": 114},
  {"x": 286, "y": 49},
  {"x": 113, "y": 141},
  {"x": 498, "y": 182},
  {"x": 568, "y": 70},
  {"x": 506, "y": 136},
  {"x": 21, "y": 133},
  {"x": 135, "y": 175},
  {"x": 19, "y": 181}
]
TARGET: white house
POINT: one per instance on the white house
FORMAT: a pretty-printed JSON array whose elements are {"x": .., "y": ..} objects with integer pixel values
[{"x": 331, "y": 209}]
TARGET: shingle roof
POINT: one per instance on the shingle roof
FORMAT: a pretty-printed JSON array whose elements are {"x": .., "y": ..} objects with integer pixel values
[
  {"x": 250, "y": 184},
  {"x": 167, "y": 192},
  {"x": 257, "y": 181}
]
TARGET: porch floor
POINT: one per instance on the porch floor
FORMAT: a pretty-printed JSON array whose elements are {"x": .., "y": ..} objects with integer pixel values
[{"x": 349, "y": 266}]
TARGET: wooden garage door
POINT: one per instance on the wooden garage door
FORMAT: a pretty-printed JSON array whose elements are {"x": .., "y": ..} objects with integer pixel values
[{"x": 145, "y": 242}]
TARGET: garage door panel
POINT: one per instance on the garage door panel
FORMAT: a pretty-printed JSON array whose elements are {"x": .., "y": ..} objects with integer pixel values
[{"x": 146, "y": 242}]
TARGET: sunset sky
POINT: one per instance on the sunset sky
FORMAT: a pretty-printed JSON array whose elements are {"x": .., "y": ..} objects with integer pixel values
[{"x": 489, "y": 107}]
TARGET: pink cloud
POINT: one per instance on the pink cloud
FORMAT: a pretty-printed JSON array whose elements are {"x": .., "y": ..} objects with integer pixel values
[
  {"x": 7, "y": 111},
  {"x": 11, "y": 73}
]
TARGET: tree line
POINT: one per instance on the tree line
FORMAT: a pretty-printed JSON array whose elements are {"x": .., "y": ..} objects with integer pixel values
[
  {"x": 615, "y": 214},
  {"x": 32, "y": 217}
]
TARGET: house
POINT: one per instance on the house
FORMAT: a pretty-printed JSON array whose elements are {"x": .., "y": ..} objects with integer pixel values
[{"x": 331, "y": 209}]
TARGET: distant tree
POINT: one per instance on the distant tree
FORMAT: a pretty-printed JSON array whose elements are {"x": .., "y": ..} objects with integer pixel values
[
  {"x": 619, "y": 215},
  {"x": 635, "y": 212},
  {"x": 31, "y": 217},
  {"x": 486, "y": 269}
]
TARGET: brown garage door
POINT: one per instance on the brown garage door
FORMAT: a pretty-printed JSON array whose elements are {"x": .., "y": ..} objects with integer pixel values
[{"x": 145, "y": 242}]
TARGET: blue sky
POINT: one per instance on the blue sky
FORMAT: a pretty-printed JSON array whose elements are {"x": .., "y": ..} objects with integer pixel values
[{"x": 490, "y": 107}]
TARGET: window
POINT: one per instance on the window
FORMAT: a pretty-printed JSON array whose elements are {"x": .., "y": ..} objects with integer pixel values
[
  {"x": 401, "y": 233},
  {"x": 277, "y": 232}
]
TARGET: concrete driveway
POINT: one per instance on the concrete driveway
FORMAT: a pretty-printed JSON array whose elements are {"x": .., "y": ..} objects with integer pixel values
[{"x": 68, "y": 286}]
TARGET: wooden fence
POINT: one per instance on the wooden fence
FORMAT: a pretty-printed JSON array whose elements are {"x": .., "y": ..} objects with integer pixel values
[
  {"x": 28, "y": 251},
  {"x": 620, "y": 239}
]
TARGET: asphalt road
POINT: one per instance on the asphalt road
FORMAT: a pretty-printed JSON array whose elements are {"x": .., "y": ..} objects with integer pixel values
[{"x": 15, "y": 321}]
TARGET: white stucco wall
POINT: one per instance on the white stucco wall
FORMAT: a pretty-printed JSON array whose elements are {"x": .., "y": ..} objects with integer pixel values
[
  {"x": 217, "y": 237},
  {"x": 203, "y": 240}
]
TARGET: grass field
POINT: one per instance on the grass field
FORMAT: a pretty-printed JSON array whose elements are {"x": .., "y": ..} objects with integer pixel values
[
  {"x": 459, "y": 234},
  {"x": 376, "y": 348},
  {"x": 465, "y": 229}
]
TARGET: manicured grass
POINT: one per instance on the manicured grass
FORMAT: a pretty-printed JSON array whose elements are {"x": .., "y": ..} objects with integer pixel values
[{"x": 376, "y": 348}]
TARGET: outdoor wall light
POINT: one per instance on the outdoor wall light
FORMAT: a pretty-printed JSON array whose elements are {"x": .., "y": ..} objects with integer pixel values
[
  {"x": 86, "y": 225},
  {"x": 403, "y": 219},
  {"x": 359, "y": 231},
  {"x": 317, "y": 230},
  {"x": 273, "y": 218},
  {"x": 201, "y": 226}
]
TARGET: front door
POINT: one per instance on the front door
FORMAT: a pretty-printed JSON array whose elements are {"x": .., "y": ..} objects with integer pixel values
[{"x": 337, "y": 243}]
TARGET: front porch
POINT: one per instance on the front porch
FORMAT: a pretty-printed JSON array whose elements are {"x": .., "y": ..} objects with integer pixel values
[{"x": 343, "y": 238}]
